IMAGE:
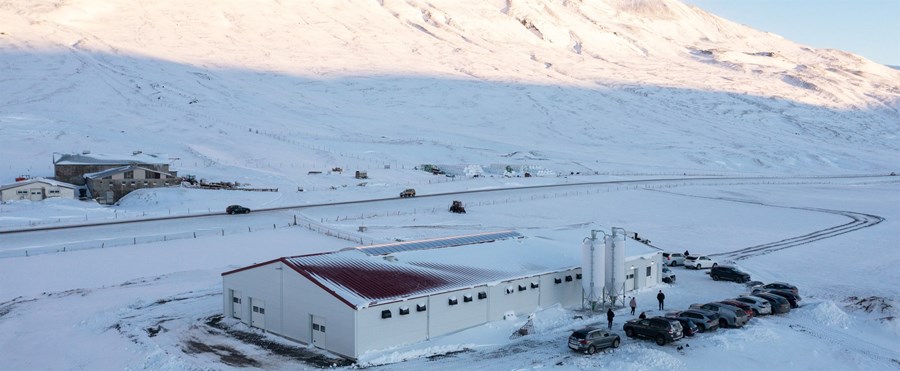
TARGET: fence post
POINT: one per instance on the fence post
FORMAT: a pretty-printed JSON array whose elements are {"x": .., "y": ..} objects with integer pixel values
[
  {"x": 195, "y": 234},
  {"x": 135, "y": 241},
  {"x": 223, "y": 231}
]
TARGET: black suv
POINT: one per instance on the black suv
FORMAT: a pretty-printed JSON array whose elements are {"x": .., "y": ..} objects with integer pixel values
[
  {"x": 663, "y": 330},
  {"x": 591, "y": 339},
  {"x": 236, "y": 209},
  {"x": 724, "y": 272}
]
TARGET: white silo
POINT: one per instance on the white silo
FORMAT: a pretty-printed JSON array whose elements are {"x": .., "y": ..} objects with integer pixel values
[
  {"x": 593, "y": 267},
  {"x": 615, "y": 262}
]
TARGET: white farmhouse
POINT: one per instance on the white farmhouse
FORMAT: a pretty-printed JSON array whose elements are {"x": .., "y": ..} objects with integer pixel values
[
  {"x": 36, "y": 189},
  {"x": 369, "y": 298}
]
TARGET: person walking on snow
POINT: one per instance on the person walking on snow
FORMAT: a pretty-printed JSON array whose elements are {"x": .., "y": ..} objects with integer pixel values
[
  {"x": 609, "y": 318},
  {"x": 661, "y": 297},
  {"x": 633, "y": 305}
]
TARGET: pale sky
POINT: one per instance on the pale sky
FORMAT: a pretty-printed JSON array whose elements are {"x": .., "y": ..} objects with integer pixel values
[{"x": 870, "y": 28}]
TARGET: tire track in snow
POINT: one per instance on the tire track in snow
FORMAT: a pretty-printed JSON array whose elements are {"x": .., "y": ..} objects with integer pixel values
[{"x": 859, "y": 221}]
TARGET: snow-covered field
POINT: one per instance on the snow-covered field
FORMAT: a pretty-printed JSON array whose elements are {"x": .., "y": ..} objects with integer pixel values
[{"x": 574, "y": 92}]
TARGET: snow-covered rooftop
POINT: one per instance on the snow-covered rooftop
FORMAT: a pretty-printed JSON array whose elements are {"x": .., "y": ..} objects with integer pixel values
[
  {"x": 117, "y": 170},
  {"x": 51, "y": 182},
  {"x": 106, "y": 159}
]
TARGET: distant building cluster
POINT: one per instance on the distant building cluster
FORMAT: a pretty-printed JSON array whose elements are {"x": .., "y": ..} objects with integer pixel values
[{"x": 103, "y": 178}]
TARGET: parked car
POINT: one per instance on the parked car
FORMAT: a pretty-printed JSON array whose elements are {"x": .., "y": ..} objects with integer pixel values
[
  {"x": 727, "y": 272},
  {"x": 704, "y": 319},
  {"x": 699, "y": 262},
  {"x": 743, "y": 306},
  {"x": 782, "y": 286},
  {"x": 779, "y": 304},
  {"x": 661, "y": 329},
  {"x": 729, "y": 315},
  {"x": 592, "y": 339},
  {"x": 667, "y": 275},
  {"x": 236, "y": 209},
  {"x": 794, "y": 300},
  {"x": 409, "y": 192},
  {"x": 687, "y": 325},
  {"x": 759, "y": 305},
  {"x": 673, "y": 258}
]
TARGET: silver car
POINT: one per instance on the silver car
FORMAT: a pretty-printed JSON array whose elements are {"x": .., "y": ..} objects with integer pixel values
[
  {"x": 673, "y": 258},
  {"x": 729, "y": 316},
  {"x": 758, "y": 304}
]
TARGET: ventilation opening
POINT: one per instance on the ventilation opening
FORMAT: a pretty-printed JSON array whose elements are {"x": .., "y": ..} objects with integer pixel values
[
  {"x": 568, "y": 278},
  {"x": 404, "y": 311},
  {"x": 467, "y": 298},
  {"x": 578, "y": 276},
  {"x": 557, "y": 280},
  {"x": 453, "y": 300},
  {"x": 510, "y": 290},
  {"x": 420, "y": 307},
  {"x": 386, "y": 313},
  {"x": 535, "y": 285},
  {"x": 522, "y": 287},
  {"x": 482, "y": 295}
]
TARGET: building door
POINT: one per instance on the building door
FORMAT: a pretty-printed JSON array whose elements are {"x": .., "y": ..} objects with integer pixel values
[
  {"x": 36, "y": 194},
  {"x": 236, "y": 304},
  {"x": 258, "y": 317},
  {"x": 318, "y": 331}
]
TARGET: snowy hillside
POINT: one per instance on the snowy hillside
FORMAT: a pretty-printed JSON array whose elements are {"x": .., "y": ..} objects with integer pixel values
[{"x": 570, "y": 86}]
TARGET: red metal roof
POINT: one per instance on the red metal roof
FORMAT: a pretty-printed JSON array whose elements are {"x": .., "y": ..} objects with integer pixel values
[{"x": 364, "y": 280}]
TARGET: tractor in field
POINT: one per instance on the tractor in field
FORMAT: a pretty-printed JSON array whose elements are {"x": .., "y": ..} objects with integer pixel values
[{"x": 457, "y": 207}]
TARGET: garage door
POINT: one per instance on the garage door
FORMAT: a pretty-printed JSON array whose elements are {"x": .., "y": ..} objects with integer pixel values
[
  {"x": 318, "y": 331},
  {"x": 258, "y": 317},
  {"x": 236, "y": 304}
]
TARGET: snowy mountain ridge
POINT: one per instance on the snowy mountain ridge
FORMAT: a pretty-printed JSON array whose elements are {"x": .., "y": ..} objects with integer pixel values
[{"x": 656, "y": 83}]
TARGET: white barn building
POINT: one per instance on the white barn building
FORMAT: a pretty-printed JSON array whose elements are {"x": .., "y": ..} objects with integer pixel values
[
  {"x": 36, "y": 189},
  {"x": 369, "y": 298}
]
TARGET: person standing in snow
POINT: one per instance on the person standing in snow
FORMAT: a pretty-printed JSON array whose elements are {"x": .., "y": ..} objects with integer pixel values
[
  {"x": 609, "y": 318},
  {"x": 633, "y": 305},
  {"x": 643, "y": 315},
  {"x": 661, "y": 297}
]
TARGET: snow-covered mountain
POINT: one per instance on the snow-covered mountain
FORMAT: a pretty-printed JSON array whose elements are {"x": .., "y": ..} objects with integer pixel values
[{"x": 607, "y": 85}]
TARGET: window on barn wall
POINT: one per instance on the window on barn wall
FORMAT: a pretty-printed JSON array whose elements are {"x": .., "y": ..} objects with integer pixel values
[
  {"x": 129, "y": 174},
  {"x": 482, "y": 295},
  {"x": 467, "y": 298},
  {"x": 420, "y": 307},
  {"x": 568, "y": 278},
  {"x": 649, "y": 270},
  {"x": 578, "y": 276},
  {"x": 453, "y": 300},
  {"x": 522, "y": 287},
  {"x": 510, "y": 290},
  {"x": 535, "y": 285},
  {"x": 557, "y": 280},
  {"x": 404, "y": 311},
  {"x": 386, "y": 313}
]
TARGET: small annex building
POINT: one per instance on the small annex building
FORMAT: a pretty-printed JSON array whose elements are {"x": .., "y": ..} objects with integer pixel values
[
  {"x": 368, "y": 298},
  {"x": 36, "y": 189}
]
